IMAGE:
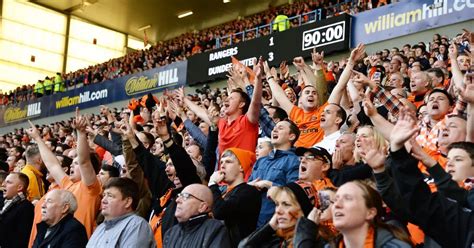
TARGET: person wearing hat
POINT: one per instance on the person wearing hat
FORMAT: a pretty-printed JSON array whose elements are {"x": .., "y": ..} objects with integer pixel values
[
  {"x": 314, "y": 166},
  {"x": 239, "y": 205},
  {"x": 292, "y": 201}
]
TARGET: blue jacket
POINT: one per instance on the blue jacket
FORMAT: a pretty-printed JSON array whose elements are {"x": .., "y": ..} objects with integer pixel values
[{"x": 279, "y": 167}]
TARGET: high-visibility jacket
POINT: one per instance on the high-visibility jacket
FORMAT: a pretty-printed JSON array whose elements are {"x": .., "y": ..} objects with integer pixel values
[
  {"x": 280, "y": 24},
  {"x": 48, "y": 84},
  {"x": 39, "y": 88},
  {"x": 58, "y": 84}
]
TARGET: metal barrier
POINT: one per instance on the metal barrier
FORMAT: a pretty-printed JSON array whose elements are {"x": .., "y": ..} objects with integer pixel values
[{"x": 312, "y": 16}]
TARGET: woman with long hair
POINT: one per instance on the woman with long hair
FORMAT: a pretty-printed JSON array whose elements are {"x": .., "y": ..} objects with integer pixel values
[
  {"x": 292, "y": 201},
  {"x": 366, "y": 137},
  {"x": 357, "y": 214}
]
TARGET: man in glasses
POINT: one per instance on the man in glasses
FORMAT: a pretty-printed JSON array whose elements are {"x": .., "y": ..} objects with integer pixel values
[
  {"x": 196, "y": 228},
  {"x": 315, "y": 163}
]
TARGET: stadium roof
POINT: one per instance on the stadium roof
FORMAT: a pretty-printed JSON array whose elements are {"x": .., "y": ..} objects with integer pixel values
[{"x": 128, "y": 16}]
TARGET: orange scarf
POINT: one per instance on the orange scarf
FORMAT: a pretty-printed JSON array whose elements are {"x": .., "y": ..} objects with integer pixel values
[
  {"x": 228, "y": 190},
  {"x": 369, "y": 239},
  {"x": 327, "y": 230},
  {"x": 323, "y": 183},
  {"x": 155, "y": 221},
  {"x": 287, "y": 236}
]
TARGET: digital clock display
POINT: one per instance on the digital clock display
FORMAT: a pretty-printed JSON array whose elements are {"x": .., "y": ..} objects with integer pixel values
[
  {"x": 322, "y": 36},
  {"x": 328, "y": 35}
]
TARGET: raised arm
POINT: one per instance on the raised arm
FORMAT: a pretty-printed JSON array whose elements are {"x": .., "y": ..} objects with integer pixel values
[
  {"x": 457, "y": 77},
  {"x": 277, "y": 92},
  {"x": 338, "y": 91},
  {"x": 468, "y": 95},
  {"x": 185, "y": 169},
  {"x": 319, "y": 74},
  {"x": 380, "y": 123},
  {"x": 443, "y": 220},
  {"x": 88, "y": 176},
  {"x": 50, "y": 161},
  {"x": 256, "y": 103},
  {"x": 200, "y": 112}
]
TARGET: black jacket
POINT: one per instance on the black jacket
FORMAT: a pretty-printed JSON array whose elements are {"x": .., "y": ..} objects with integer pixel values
[
  {"x": 359, "y": 171},
  {"x": 159, "y": 183},
  {"x": 239, "y": 209},
  {"x": 447, "y": 186},
  {"x": 199, "y": 231},
  {"x": 444, "y": 220},
  {"x": 113, "y": 146},
  {"x": 67, "y": 233},
  {"x": 306, "y": 237},
  {"x": 154, "y": 171},
  {"x": 15, "y": 225},
  {"x": 264, "y": 237},
  {"x": 209, "y": 158}
]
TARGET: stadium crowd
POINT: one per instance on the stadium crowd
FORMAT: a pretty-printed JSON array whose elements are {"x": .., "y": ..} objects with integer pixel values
[
  {"x": 374, "y": 150},
  {"x": 183, "y": 46}
]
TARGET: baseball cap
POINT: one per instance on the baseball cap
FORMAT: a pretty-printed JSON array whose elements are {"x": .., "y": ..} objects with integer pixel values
[{"x": 317, "y": 151}]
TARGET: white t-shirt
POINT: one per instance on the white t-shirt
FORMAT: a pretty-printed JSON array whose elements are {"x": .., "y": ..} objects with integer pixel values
[{"x": 329, "y": 142}]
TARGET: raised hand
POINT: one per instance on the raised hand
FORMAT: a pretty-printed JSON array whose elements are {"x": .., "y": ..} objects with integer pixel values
[
  {"x": 284, "y": 71},
  {"x": 467, "y": 93},
  {"x": 299, "y": 63},
  {"x": 357, "y": 53},
  {"x": 318, "y": 59},
  {"x": 404, "y": 129},
  {"x": 162, "y": 128},
  {"x": 468, "y": 35},
  {"x": 127, "y": 130},
  {"x": 374, "y": 158},
  {"x": 235, "y": 79},
  {"x": 80, "y": 122},
  {"x": 172, "y": 109},
  {"x": 258, "y": 69},
  {"x": 274, "y": 72},
  {"x": 160, "y": 112},
  {"x": 92, "y": 131},
  {"x": 372, "y": 60},
  {"x": 418, "y": 153},
  {"x": 213, "y": 114},
  {"x": 453, "y": 51},
  {"x": 179, "y": 95},
  {"x": 360, "y": 78},
  {"x": 33, "y": 132},
  {"x": 369, "y": 108},
  {"x": 266, "y": 69},
  {"x": 337, "y": 162}
]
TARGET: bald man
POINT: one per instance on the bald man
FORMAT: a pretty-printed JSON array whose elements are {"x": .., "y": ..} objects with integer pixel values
[{"x": 195, "y": 227}]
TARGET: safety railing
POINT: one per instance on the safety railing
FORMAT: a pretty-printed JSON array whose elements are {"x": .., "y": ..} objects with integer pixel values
[{"x": 304, "y": 18}]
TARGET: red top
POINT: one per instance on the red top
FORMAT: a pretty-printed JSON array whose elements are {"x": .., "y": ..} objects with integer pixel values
[{"x": 240, "y": 133}]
